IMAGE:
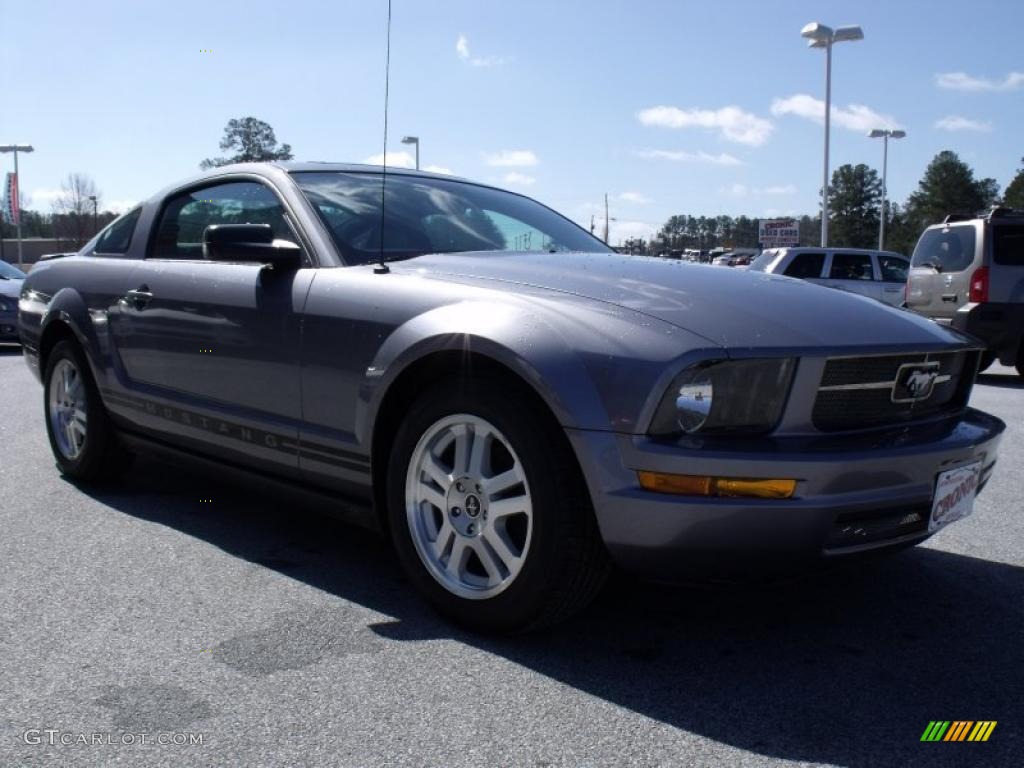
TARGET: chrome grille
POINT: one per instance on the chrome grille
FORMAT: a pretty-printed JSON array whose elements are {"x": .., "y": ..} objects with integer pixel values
[{"x": 858, "y": 392}]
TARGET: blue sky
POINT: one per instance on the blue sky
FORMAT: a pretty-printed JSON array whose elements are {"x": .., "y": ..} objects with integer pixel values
[{"x": 669, "y": 107}]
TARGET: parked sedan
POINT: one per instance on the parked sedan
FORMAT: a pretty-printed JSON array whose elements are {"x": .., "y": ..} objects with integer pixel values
[
  {"x": 878, "y": 274},
  {"x": 517, "y": 406},
  {"x": 10, "y": 288}
]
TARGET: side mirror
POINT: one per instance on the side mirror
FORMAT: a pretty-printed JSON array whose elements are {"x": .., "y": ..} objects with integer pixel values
[{"x": 249, "y": 243}]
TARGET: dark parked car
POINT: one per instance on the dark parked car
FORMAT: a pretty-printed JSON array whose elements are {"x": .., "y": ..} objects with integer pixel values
[
  {"x": 515, "y": 404},
  {"x": 10, "y": 288}
]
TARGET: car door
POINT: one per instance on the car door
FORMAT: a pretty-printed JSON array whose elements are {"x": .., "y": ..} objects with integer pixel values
[
  {"x": 209, "y": 350},
  {"x": 892, "y": 271},
  {"x": 853, "y": 272}
]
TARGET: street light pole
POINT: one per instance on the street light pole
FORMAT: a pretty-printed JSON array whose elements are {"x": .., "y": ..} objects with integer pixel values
[
  {"x": 16, "y": 148},
  {"x": 885, "y": 135},
  {"x": 821, "y": 36},
  {"x": 95, "y": 224},
  {"x": 828, "y": 124},
  {"x": 414, "y": 140}
]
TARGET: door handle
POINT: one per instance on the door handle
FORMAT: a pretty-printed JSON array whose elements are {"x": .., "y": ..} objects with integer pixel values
[
  {"x": 139, "y": 297},
  {"x": 949, "y": 297}
]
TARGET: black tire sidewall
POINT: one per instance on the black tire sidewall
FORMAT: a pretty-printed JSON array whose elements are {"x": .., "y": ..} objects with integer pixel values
[
  {"x": 88, "y": 464},
  {"x": 554, "y": 508}
]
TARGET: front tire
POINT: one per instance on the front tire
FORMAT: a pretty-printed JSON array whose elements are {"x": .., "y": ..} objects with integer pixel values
[
  {"x": 81, "y": 436},
  {"x": 488, "y": 510}
]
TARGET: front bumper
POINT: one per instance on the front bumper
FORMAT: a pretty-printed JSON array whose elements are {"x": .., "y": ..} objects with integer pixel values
[{"x": 855, "y": 493}]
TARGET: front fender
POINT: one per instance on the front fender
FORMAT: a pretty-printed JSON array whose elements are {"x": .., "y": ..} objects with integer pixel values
[
  {"x": 38, "y": 314},
  {"x": 510, "y": 335}
]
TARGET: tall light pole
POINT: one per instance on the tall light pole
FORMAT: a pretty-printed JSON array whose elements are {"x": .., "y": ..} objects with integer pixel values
[
  {"x": 884, "y": 135},
  {"x": 820, "y": 36},
  {"x": 16, "y": 148},
  {"x": 95, "y": 206},
  {"x": 414, "y": 140}
]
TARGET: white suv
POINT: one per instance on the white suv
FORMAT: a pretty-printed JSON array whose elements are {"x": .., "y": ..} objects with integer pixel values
[{"x": 880, "y": 275}]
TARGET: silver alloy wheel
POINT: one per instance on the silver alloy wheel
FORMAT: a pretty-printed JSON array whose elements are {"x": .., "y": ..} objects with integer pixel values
[
  {"x": 468, "y": 506},
  {"x": 67, "y": 408}
]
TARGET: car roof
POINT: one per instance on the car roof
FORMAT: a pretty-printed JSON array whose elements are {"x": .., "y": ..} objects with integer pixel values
[
  {"x": 816, "y": 248},
  {"x": 275, "y": 168}
]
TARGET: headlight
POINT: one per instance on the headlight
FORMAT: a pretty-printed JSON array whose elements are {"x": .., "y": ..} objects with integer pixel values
[{"x": 725, "y": 396}]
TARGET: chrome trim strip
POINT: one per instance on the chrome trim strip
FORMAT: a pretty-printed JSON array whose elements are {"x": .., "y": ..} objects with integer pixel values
[{"x": 875, "y": 384}]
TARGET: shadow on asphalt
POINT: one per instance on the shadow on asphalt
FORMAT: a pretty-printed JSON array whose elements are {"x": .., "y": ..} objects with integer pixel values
[
  {"x": 845, "y": 667},
  {"x": 997, "y": 380},
  {"x": 9, "y": 350}
]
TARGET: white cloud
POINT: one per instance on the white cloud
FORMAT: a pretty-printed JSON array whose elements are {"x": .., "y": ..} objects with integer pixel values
[
  {"x": 511, "y": 158},
  {"x": 954, "y": 123},
  {"x": 119, "y": 206},
  {"x": 733, "y": 123},
  {"x": 681, "y": 156},
  {"x": 781, "y": 189},
  {"x": 403, "y": 159},
  {"x": 399, "y": 159},
  {"x": 634, "y": 197},
  {"x": 742, "y": 190},
  {"x": 462, "y": 50},
  {"x": 855, "y": 117},
  {"x": 40, "y": 198},
  {"x": 961, "y": 81},
  {"x": 517, "y": 178},
  {"x": 624, "y": 230}
]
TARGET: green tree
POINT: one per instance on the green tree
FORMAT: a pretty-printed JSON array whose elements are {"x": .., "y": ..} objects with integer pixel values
[
  {"x": 252, "y": 140},
  {"x": 948, "y": 186},
  {"x": 854, "y": 197},
  {"x": 1014, "y": 195}
]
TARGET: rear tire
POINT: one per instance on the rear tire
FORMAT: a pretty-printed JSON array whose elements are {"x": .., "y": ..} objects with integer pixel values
[
  {"x": 472, "y": 447},
  {"x": 81, "y": 436},
  {"x": 987, "y": 358}
]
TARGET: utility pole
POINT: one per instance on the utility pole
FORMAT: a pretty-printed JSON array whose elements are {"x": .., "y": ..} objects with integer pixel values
[{"x": 606, "y": 218}]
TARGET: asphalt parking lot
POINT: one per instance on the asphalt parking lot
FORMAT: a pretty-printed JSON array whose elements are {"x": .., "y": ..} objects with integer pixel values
[{"x": 282, "y": 638}]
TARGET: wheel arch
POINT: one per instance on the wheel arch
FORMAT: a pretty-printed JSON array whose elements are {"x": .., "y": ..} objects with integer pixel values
[
  {"x": 67, "y": 317},
  {"x": 425, "y": 372}
]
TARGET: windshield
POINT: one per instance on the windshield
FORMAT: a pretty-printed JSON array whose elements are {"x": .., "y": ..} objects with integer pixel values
[
  {"x": 949, "y": 249},
  {"x": 7, "y": 272},
  {"x": 427, "y": 215}
]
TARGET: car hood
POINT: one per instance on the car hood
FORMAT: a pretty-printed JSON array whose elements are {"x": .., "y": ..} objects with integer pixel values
[
  {"x": 729, "y": 307},
  {"x": 11, "y": 288}
]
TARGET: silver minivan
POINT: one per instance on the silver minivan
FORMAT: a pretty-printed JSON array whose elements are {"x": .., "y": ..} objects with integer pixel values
[
  {"x": 968, "y": 273},
  {"x": 880, "y": 275}
]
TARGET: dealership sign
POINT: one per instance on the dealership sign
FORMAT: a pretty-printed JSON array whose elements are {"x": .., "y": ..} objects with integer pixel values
[
  {"x": 775, "y": 233},
  {"x": 10, "y": 211}
]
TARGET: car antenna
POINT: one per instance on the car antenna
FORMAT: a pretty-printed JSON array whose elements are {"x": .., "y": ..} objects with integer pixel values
[{"x": 382, "y": 267}]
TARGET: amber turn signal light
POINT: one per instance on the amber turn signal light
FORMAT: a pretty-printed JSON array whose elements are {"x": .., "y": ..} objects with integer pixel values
[{"x": 701, "y": 485}]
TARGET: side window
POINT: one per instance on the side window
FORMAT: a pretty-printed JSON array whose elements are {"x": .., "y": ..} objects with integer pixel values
[
  {"x": 118, "y": 236},
  {"x": 893, "y": 268},
  {"x": 851, "y": 266},
  {"x": 179, "y": 235},
  {"x": 950, "y": 249},
  {"x": 1008, "y": 245},
  {"x": 806, "y": 265}
]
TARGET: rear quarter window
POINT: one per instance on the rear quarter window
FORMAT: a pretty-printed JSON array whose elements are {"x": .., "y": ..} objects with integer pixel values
[
  {"x": 805, "y": 265},
  {"x": 950, "y": 249},
  {"x": 1008, "y": 246},
  {"x": 893, "y": 268}
]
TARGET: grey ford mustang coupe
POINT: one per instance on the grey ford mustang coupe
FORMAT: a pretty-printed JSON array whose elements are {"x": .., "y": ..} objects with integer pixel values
[{"x": 516, "y": 405}]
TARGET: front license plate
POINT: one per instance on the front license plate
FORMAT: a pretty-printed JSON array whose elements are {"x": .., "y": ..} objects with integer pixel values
[{"x": 954, "y": 495}]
